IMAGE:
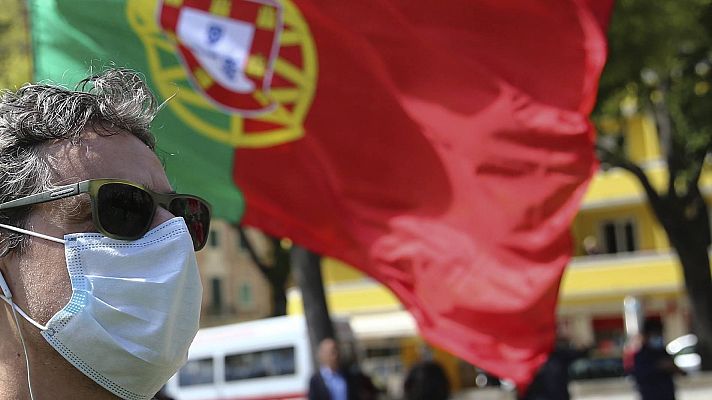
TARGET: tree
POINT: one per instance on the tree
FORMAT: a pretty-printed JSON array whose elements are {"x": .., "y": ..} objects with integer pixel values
[
  {"x": 276, "y": 272},
  {"x": 307, "y": 274},
  {"x": 14, "y": 44},
  {"x": 306, "y": 268},
  {"x": 659, "y": 63}
]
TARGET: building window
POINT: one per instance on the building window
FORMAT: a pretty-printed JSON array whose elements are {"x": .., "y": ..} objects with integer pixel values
[
  {"x": 246, "y": 297},
  {"x": 213, "y": 238},
  {"x": 619, "y": 236},
  {"x": 217, "y": 303}
]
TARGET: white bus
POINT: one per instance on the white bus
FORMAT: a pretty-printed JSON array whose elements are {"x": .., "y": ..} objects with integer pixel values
[{"x": 267, "y": 359}]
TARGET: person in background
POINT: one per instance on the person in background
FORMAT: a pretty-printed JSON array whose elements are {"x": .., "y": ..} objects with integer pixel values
[
  {"x": 426, "y": 381},
  {"x": 331, "y": 381},
  {"x": 653, "y": 368},
  {"x": 337, "y": 380},
  {"x": 552, "y": 380},
  {"x": 590, "y": 246},
  {"x": 630, "y": 348}
]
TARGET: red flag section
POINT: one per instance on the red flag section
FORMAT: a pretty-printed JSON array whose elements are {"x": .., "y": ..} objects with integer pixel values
[{"x": 444, "y": 153}]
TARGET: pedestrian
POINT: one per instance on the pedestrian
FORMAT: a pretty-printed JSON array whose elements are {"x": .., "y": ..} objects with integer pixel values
[
  {"x": 653, "y": 368},
  {"x": 329, "y": 382},
  {"x": 426, "y": 381},
  {"x": 552, "y": 379},
  {"x": 97, "y": 253},
  {"x": 338, "y": 380}
]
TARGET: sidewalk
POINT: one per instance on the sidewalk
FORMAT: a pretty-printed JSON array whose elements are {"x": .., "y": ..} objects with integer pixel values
[{"x": 697, "y": 387}]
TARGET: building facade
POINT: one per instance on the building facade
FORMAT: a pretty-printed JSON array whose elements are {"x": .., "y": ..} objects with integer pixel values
[{"x": 234, "y": 289}]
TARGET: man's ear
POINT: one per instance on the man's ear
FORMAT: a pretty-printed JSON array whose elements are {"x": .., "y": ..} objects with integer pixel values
[{"x": 4, "y": 287}]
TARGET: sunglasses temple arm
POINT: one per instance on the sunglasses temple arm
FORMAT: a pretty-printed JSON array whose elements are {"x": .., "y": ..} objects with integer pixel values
[{"x": 54, "y": 194}]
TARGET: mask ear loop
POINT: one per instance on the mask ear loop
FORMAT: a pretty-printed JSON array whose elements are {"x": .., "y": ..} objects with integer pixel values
[
  {"x": 36, "y": 234},
  {"x": 24, "y": 349},
  {"x": 7, "y": 296}
]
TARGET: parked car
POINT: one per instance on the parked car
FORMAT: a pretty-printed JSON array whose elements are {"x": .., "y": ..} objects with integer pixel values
[
  {"x": 594, "y": 368},
  {"x": 484, "y": 379},
  {"x": 684, "y": 353}
]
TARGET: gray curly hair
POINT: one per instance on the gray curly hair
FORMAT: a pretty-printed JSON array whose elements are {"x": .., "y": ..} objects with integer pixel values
[{"x": 114, "y": 100}]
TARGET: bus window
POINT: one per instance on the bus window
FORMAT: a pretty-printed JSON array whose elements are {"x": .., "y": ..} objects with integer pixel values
[
  {"x": 196, "y": 372},
  {"x": 260, "y": 364}
]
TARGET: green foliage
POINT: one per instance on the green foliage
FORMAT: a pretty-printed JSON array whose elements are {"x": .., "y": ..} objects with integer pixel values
[
  {"x": 15, "y": 63},
  {"x": 660, "y": 61},
  {"x": 651, "y": 34}
]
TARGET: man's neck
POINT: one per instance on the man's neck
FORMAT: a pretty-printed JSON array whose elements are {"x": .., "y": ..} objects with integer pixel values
[
  {"x": 329, "y": 369},
  {"x": 10, "y": 386},
  {"x": 52, "y": 376}
]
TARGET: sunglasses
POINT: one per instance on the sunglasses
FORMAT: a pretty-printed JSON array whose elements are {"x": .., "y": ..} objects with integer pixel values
[{"x": 124, "y": 210}]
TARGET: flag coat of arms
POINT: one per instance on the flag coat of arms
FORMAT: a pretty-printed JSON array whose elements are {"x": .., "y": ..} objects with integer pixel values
[
  {"x": 216, "y": 50},
  {"x": 440, "y": 147}
]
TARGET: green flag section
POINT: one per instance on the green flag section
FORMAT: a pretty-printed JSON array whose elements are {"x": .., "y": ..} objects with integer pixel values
[{"x": 72, "y": 38}]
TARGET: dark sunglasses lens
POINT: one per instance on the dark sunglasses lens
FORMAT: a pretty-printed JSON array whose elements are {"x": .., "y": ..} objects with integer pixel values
[
  {"x": 124, "y": 210},
  {"x": 196, "y": 215}
]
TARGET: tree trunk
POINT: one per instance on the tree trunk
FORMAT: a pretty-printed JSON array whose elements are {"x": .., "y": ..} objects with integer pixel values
[
  {"x": 687, "y": 227},
  {"x": 698, "y": 281},
  {"x": 279, "y": 301},
  {"x": 307, "y": 273},
  {"x": 276, "y": 274}
]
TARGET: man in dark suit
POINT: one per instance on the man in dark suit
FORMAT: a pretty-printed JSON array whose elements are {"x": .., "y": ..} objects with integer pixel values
[
  {"x": 653, "y": 368},
  {"x": 330, "y": 382}
]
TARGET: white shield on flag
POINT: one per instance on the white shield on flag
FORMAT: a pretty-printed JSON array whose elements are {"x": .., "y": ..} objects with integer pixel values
[
  {"x": 228, "y": 49},
  {"x": 221, "y": 45}
]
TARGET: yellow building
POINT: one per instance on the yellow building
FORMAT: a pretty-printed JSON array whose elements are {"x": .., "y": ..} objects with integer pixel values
[{"x": 626, "y": 254}]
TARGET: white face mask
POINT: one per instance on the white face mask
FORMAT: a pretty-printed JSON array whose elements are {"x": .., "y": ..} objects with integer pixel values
[{"x": 134, "y": 309}]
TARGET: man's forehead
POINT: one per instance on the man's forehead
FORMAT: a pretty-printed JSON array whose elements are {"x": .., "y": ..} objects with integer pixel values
[{"x": 121, "y": 156}]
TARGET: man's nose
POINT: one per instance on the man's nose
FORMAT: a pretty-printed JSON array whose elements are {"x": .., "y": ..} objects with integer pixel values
[{"x": 162, "y": 215}]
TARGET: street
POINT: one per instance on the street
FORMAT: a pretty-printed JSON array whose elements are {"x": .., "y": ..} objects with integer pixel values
[{"x": 697, "y": 387}]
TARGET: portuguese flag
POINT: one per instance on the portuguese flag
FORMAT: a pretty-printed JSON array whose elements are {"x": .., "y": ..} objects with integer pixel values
[{"x": 442, "y": 147}]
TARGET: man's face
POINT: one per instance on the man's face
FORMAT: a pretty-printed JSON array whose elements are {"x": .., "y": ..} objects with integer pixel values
[
  {"x": 655, "y": 340},
  {"x": 38, "y": 276},
  {"x": 329, "y": 354}
]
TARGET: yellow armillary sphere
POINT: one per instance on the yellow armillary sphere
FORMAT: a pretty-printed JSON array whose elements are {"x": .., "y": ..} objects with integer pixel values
[{"x": 242, "y": 72}]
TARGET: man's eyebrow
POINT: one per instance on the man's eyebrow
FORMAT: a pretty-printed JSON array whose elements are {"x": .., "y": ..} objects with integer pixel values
[{"x": 151, "y": 188}]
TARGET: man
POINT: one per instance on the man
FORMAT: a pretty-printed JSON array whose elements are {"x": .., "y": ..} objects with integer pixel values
[
  {"x": 552, "y": 380},
  {"x": 426, "y": 380},
  {"x": 653, "y": 368},
  {"x": 333, "y": 382},
  {"x": 329, "y": 383},
  {"x": 98, "y": 265}
]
